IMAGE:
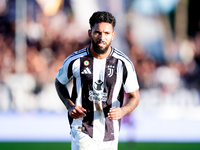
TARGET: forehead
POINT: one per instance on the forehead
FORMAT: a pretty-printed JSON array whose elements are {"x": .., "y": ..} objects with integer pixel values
[{"x": 103, "y": 26}]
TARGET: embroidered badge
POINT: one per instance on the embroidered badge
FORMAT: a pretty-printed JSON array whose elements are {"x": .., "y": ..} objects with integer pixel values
[{"x": 86, "y": 63}]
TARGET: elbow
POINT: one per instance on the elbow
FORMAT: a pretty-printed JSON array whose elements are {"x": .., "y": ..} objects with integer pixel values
[
  {"x": 135, "y": 96},
  {"x": 56, "y": 83},
  {"x": 137, "y": 100}
]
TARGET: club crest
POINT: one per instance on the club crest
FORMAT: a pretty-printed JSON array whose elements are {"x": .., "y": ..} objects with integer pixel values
[{"x": 110, "y": 70}]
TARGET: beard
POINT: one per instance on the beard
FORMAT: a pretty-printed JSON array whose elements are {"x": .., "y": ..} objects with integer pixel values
[{"x": 99, "y": 50}]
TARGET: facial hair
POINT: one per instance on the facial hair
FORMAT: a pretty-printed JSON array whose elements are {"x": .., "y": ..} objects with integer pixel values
[{"x": 98, "y": 49}]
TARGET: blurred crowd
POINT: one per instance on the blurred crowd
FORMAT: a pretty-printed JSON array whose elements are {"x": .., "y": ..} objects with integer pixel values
[{"x": 168, "y": 69}]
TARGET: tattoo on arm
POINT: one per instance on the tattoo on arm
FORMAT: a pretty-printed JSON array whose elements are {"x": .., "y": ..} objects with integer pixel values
[{"x": 132, "y": 102}]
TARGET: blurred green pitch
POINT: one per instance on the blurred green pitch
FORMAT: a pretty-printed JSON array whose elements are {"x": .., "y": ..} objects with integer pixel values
[{"x": 122, "y": 146}]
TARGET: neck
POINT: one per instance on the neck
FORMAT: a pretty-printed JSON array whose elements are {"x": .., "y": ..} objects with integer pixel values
[{"x": 100, "y": 56}]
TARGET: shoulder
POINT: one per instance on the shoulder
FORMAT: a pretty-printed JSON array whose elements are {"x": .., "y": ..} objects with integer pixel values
[
  {"x": 121, "y": 56},
  {"x": 77, "y": 54}
]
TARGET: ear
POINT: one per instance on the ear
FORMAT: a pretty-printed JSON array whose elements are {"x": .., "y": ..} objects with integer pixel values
[
  {"x": 89, "y": 33},
  {"x": 113, "y": 35}
]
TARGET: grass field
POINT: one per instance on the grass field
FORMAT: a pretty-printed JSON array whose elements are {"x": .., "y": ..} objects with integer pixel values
[{"x": 122, "y": 146}]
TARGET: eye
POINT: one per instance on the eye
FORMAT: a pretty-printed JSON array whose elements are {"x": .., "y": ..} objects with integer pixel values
[{"x": 97, "y": 33}]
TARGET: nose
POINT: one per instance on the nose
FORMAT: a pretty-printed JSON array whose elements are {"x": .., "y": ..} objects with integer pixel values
[{"x": 102, "y": 36}]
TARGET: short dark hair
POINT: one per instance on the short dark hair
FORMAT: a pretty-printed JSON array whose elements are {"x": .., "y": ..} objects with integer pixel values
[{"x": 102, "y": 16}]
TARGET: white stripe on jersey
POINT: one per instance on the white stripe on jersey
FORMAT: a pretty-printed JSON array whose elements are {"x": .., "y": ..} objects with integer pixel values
[
  {"x": 115, "y": 102},
  {"x": 76, "y": 72},
  {"x": 99, "y": 121}
]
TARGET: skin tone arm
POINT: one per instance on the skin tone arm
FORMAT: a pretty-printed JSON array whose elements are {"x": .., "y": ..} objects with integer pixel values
[
  {"x": 74, "y": 110},
  {"x": 117, "y": 113}
]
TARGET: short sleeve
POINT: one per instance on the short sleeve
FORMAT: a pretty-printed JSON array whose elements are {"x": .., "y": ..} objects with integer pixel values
[
  {"x": 65, "y": 73},
  {"x": 131, "y": 82},
  {"x": 62, "y": 74}
]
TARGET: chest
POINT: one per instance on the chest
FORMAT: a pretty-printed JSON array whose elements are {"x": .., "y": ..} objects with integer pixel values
[{"x": 98, "y": 72}]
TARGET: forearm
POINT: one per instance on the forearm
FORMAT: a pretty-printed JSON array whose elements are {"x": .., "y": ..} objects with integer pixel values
[
  {"x": 132, "y": 102},
  {"x": 117, "y": 113},
  {"x": 63, "y": 94}
]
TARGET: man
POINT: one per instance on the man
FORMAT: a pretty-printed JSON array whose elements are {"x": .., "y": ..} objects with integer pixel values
[{"x": 100, "y": 76}]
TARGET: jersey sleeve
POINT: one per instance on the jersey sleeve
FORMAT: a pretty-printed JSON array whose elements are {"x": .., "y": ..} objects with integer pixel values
[
  {"x": 131, "y": 82},
  {"x": 64, "y": 75}
]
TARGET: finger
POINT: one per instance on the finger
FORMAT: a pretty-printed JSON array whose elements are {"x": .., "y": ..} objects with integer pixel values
[
  {"x": 114, "y": 114},
  {"x": 79, "y": 112},
  {"x": 112, "y": 109},
  {"x": 75, "y": 114},
  {"x": 114, "y": 117},
  {"x": 111, "y": 112},
  {"x": 80, "y": 109}
]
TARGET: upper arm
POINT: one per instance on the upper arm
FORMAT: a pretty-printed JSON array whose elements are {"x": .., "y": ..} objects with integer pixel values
[{"x": 134, "y": 95}]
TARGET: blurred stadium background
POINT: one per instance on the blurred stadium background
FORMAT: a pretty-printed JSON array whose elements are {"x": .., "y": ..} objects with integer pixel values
[{"x": 161, "y": 37}]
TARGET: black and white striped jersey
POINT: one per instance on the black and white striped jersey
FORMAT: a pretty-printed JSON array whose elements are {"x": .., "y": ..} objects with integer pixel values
[{"x": 98, "y": 85}]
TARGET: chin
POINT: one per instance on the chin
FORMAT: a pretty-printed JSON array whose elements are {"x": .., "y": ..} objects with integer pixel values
[{"x": 101, "y": 50}]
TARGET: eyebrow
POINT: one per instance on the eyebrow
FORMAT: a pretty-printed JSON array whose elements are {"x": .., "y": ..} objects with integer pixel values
[{"x": 103, "y": 31}]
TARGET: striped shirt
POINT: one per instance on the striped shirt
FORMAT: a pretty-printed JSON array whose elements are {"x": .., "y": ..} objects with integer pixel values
[{"x": 98, "y": 85}]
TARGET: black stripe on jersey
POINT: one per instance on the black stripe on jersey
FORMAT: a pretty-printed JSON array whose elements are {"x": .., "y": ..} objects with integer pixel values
[
  {"x": 110, "y": 80},
  {"x": 74, "y": 92},
  {"x": 86, "y": 86},
  {"x": 124, "y": 56},
  {"x": 70, "y": 73},
  {"x": 125, "y": 72}
]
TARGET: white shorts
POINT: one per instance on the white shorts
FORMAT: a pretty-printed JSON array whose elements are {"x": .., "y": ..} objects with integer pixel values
[{"x": 82, "y": 141}]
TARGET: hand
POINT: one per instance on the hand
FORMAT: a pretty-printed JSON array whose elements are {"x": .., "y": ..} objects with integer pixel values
[
  {"x": 77, "y": 112},
  {"x": 115, "y": 113}
]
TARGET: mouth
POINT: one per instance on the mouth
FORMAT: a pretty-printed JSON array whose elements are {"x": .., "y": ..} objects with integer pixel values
[{"x": 101, "y": 44}]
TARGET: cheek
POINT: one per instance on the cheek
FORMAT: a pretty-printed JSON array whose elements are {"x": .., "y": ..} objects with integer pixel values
[
  {"x": 110, "y": 40},
  {"x": 94, "y": 37}
]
